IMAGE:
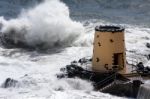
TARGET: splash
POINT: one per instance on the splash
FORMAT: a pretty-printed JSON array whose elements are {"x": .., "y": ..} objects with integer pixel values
[{"x": 46, "y": 25}]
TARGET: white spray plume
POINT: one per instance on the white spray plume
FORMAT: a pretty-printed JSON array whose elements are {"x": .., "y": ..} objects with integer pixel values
[{"x": 47, "y": 24}]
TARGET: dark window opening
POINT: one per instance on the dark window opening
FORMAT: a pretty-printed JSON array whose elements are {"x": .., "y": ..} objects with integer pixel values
[
  {"x": 118, "y": 60},
  {"x": 111, "y": 40},
  {"x": 115, "y": 59},
  {"x": 97, "y": 60},
  {"x": 99, "y": 44},
  {"x": 106, "y": 66}
]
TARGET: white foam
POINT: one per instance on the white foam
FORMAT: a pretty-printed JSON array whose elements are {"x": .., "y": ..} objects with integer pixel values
[{"x": 47, "y": 24}]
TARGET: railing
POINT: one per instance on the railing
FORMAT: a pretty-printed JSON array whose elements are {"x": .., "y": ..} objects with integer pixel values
[
  {"x": 108, "y": 86},
  {"x": 106, "y": 80}
]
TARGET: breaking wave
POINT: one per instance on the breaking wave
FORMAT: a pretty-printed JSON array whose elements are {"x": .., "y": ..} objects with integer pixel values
[{"x": 46, "y": 25}]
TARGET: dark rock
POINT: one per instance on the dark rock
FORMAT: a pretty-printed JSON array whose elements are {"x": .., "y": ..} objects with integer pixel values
[
  {"x": 148, "y": 45},
  {"x": 140, "y": 66},
  {"x": 148, "y": 56},
  {"x": 142, "y": 70},
  {"x": 61, "y": 76},
  {"x": 84, "y": 60},
  {"x": 74, "y": 61},
  {"x": 90, "y": 59},
  {"x": 59, "y": 89},
  {"x": 72, "y": 71},
  {"x": 106, "y": 82},
  {"x": 147, "y": 68},
  {"x": 9, "y": 83}
]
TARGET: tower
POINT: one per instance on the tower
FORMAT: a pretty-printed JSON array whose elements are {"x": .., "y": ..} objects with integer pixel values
[{"x": 109, "y": 49}]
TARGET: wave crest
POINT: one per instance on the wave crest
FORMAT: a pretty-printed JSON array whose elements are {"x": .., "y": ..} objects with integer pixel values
[{"x": 46, "y": 25}]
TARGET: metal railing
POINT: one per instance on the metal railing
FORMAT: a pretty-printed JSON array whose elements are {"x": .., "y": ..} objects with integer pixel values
[{"x": 106, "y": 80}]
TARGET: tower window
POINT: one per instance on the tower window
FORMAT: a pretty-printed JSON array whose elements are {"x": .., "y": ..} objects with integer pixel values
[
  {"x": 111, "y": 40},
  {"x": 106, "y": 66},
  {"x": 99, "y": 44},
  {"x": 97, "y": 60},
  {"x": 118, "y": 60},
  {"x": 97, "y": 36}
]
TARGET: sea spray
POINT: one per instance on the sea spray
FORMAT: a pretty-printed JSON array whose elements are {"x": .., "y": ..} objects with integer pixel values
[
  {"x": 72, "y": 84},
  {"x": 46, "y": 25}
]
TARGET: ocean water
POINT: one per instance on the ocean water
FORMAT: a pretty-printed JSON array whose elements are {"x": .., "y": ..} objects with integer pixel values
[{"x": 38, "y": 37}]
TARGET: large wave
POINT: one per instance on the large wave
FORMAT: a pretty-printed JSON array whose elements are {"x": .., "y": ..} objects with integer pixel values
[{"x": 46, "y": 25}]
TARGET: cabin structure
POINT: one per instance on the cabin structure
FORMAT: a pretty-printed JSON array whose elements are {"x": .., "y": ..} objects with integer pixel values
[{"x": 109, "y": 49}]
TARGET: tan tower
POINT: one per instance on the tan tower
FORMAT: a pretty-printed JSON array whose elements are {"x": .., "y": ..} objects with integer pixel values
[{"x": 109, "y": 49}]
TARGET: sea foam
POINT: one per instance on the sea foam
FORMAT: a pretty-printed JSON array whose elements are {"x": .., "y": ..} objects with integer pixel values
[{"x": 47, "y": 24}]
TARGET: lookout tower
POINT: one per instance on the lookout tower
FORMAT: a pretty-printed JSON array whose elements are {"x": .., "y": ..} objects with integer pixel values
[{"x": 109, "y": 49}]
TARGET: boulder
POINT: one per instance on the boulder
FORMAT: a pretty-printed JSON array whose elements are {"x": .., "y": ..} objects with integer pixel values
[{"x": 9, "y": 82}]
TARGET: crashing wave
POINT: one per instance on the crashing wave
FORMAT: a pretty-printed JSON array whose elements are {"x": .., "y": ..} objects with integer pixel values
[{"x": 42, "y": 26}]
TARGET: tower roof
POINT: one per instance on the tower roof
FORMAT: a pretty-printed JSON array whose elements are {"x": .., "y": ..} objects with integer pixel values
[{"x": 107, "y": 28}]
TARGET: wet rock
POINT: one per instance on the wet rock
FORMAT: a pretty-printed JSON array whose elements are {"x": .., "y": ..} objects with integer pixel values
[
  {"x": 59, "y": 89},
  {"x": 9, "y": 83},
  {"x": 83, "y": 60},
  {"x": 148, "y": 45},
  {"x": 148, "y": 56},
  {"x": 111, "y": 82},
  {"x": 72, "y": 71},
  {"x": 143, "y": 70},
  {"x": 140, "y": 66}
]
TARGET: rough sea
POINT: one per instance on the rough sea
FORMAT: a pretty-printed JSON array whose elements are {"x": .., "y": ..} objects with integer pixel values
[{"x": 38, "y": 37}]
